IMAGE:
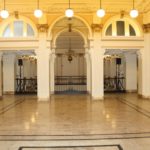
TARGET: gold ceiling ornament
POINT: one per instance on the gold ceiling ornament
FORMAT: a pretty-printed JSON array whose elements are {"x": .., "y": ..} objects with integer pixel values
[
  {"x": 42, "y": 27},
  {"x": 16, "y": 14},
  {"x": 122, "y": 13},
  {"x": 110, "y": 57},
  {"x": 28, "y": 57},
  {"x": 146, "y": 28},
  {"x": 97, "y": 27}
]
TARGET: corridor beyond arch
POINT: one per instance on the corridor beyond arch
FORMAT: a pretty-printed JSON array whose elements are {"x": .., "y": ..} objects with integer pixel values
[{"x": 70, "y": 64}]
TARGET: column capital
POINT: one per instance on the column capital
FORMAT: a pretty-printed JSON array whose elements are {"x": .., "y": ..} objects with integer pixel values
[
  {"x": 146, "y": 28},
  {"x": 42, "y": 27},
  {"x": 96, "y": 27}
]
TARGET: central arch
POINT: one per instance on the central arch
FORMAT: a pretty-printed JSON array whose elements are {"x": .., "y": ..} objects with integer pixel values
[
  {"x": 70, "y": 65},
  {"x": 63, "y": 29}
]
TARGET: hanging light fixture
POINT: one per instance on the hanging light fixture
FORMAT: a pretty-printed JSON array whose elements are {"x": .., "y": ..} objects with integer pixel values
[
  {"x": 4, "y": 13},
  {"x": 69, "y": 12},
  {"x": 100, "y": 12},
  {"x": 38, "y": 13},
  {"x": 134, "y": 13}
]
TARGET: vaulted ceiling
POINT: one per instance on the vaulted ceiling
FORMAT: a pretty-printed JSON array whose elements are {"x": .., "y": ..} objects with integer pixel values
[{"x": 83, "y": 6}]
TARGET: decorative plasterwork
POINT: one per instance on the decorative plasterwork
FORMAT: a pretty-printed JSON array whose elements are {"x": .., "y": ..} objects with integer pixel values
[
  {"x": 97, "y": 27},
  {"x": 42, "y": 27},
  {"x": 16, "y": 14},
  {"x": 146, "y": 28}
]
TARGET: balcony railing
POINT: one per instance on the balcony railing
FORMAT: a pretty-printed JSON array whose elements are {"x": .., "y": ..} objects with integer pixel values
[
  {"x": 70, "y": 84},
  {"x": 26, "y": 86},
  {"x": 116, "y": 84}
]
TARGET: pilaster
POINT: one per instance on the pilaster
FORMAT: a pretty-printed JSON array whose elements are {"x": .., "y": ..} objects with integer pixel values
[
  {"x": 88, "y": 70},
  {"x": 1, "y": 80},
  {"x": 52, "y": 72},
  {"x": 145, "y": 67},
  {"x": 131, "y": 72}
]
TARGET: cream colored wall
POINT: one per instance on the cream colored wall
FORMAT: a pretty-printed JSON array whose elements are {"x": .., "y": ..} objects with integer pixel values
[
  {"x": 131, "y": 72},
  {"x": 29, "y": 69},
  {"x": 98, "y": 44},
  {"x": 76, "y": 67},
  {"x": 9, "y": 73}
]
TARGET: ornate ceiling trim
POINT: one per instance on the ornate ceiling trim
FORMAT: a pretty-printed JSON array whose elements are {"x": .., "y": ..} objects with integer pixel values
[
  {"x": 146, "y": 28},
  {"x": 42, "y": 27},
  {"x": 96, "y": 27}
]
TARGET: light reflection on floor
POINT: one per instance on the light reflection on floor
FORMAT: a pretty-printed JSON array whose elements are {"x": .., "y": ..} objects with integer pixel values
[{"x": 120, "y": 119}]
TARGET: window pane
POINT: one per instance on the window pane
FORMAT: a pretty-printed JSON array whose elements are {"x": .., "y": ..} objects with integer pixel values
[
  {"x": 18, "y": 28},
  {"x": 30, "y": 31},
  {"x": 132, "y": 31},
  {"x": 109, "y": 30},
  {"x": 120, "y": 28},
  {"x": 6, "y": 32}
]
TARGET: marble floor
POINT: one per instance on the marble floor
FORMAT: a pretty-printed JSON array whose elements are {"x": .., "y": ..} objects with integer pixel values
[{"x": 75, "y": 122}]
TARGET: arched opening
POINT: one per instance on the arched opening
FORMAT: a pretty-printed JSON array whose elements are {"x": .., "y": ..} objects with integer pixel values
[
  {"x": 26, "y": 73},
  {"x": 121, "y": 27},
  {"x": 19, "y": 72},
  {"x": 121, "y": 60},
  {"x": 18, "y": 27},
  {"x": 121, "y": 70},
  {"x": 70, "y": 65},
  {"x": 69, "y": 38}
]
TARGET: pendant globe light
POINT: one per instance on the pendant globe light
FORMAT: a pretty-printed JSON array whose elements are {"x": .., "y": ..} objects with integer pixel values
[
  {"x": 134, "y": 13},
  {"x": 38, "y": 13},
  {"x": 69, "y": 12},
  {"x": 100, "y": 12},
  {"x": 4, "y": 13}
]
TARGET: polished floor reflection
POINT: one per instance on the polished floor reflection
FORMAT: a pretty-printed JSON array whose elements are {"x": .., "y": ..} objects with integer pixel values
[{"x": 119, "y": 117}]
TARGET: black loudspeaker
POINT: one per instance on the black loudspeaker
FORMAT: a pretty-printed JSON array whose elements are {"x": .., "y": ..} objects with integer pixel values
[
  {"x": 20, "y": 62},
  {"x": 118, "y": 61}
]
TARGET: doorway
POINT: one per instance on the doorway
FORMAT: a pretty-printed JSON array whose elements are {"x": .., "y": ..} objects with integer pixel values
[{"x": 70, "y": 65}]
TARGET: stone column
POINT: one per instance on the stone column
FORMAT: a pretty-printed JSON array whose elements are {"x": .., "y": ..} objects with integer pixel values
[
  {"x": 88, "y": 71},
  {"x": 1, "y": 79},
  {"x": 43, "y": 90},
  {"x": 131, "y": 72},
  {"x": 9, "y": 73},
  {"x": 52, "y": 72},
  {"x": 145, "y": 67},
  {"x": 97, "y": 56},
  {"x": 139, "y": 73}
]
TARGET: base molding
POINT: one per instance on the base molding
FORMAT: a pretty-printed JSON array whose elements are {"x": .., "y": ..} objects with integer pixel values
[
  {"x": 8, "y": 92},
  {"x": 43, "y": 99},
  {"x": 97, "y": 98},
  {"x": 144, "y": 97},
  {"x": 131, "y": 91}
]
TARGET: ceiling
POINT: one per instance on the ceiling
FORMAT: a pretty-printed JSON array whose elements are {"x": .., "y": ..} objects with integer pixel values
[
  {"x": 79, "y": 6},
  {"x": 69, "y": 40}
]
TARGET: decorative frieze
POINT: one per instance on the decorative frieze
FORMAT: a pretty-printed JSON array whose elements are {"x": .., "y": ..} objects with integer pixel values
[
  {"x": 97, "y": 27},
  {"x": 16, "y": 14},
  {"x": 146, "y": 28},
  {"x": 42, "y": 27}
]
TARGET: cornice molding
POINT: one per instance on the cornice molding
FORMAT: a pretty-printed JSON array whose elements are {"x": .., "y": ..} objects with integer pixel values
[{"x": 146, "y": 28}]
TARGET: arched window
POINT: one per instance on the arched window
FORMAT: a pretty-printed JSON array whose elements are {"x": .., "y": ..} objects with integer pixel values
[
  {"x": 120, "y": 27},
  {"x": 18, "y": 28}
]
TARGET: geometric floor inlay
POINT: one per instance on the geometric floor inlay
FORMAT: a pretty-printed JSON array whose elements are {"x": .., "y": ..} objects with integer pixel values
[{"x": 97, "y": 147}]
